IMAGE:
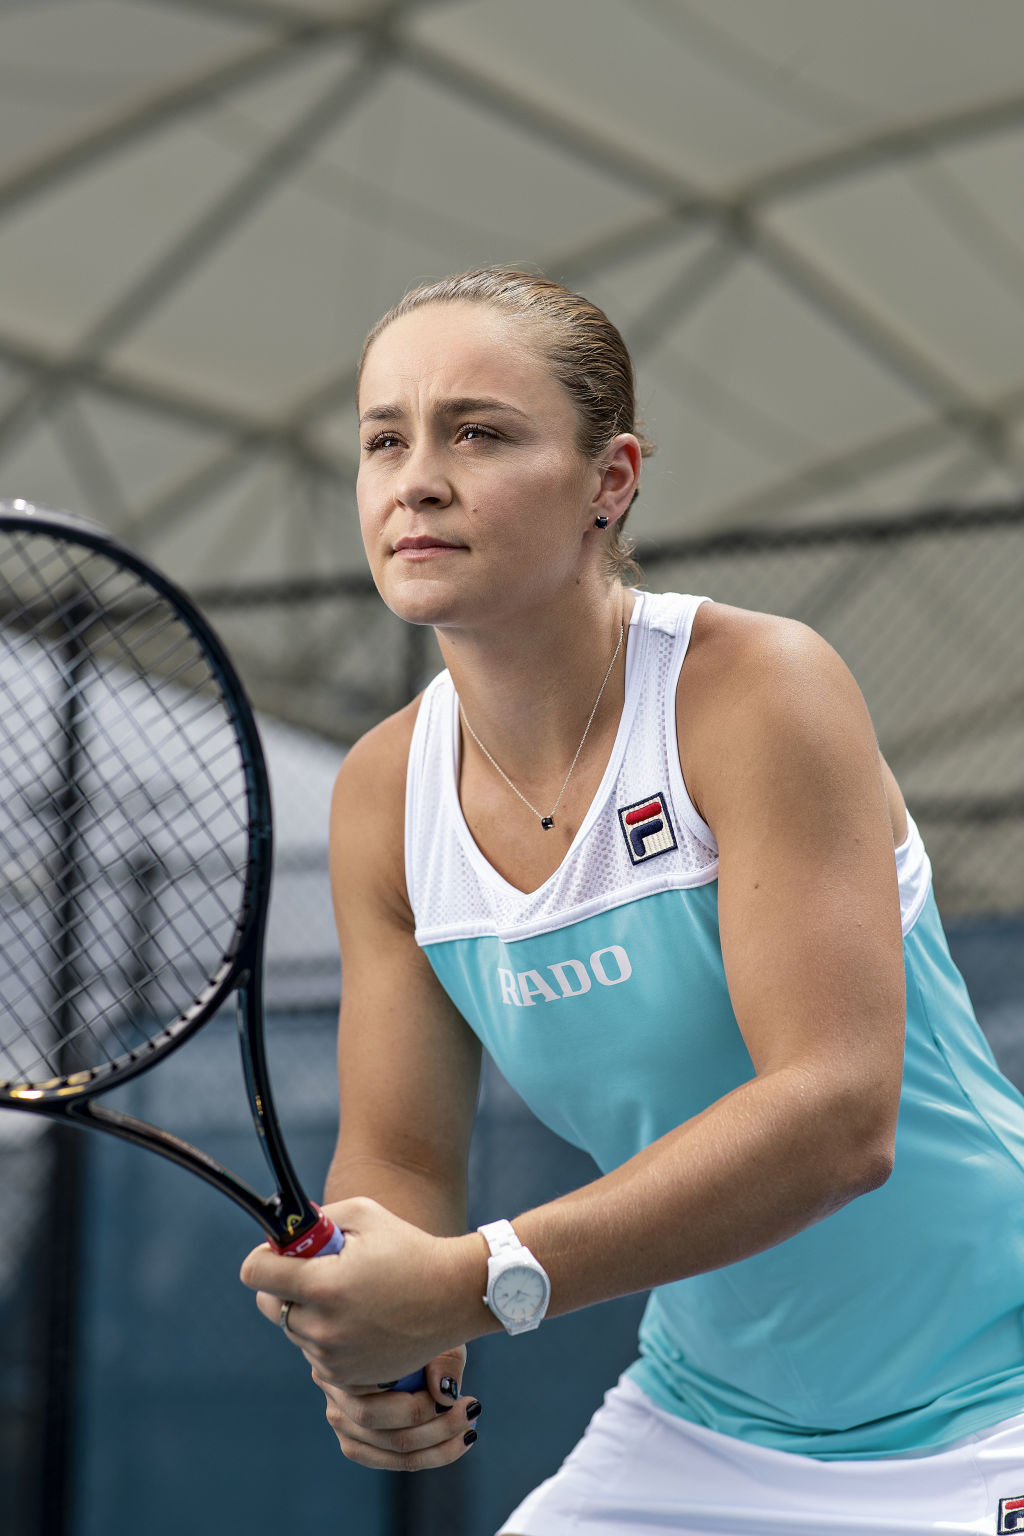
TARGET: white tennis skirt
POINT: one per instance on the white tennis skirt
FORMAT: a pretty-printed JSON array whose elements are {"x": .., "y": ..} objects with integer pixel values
[{"x": 639, "y": 1470}]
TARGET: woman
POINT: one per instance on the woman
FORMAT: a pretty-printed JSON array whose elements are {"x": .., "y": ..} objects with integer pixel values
[{"x": 645, "y": 849}]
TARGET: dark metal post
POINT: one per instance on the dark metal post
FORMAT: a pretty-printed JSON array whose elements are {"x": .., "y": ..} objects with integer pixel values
[{"x": 62, "y": 1245}]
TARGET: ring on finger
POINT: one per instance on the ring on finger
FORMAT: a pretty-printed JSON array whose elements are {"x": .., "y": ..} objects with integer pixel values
[{"x": 286, "y": 1307}]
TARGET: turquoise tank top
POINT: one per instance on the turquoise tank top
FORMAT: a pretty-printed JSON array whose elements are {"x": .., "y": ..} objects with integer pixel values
[{"x": 897, "y": 1323}]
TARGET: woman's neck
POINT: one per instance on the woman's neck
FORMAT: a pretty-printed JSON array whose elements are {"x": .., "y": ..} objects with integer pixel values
[{"x": 528, "y": 688}]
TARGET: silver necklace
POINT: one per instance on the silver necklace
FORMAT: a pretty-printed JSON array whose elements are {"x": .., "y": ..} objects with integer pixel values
[{"x": 547, "y": 822}]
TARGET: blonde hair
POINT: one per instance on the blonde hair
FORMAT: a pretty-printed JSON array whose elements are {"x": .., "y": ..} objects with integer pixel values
[{"x": 583, "y": 349}]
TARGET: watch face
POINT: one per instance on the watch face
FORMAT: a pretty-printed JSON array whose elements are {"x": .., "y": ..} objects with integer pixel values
[{"x": 519, "y": 1293}]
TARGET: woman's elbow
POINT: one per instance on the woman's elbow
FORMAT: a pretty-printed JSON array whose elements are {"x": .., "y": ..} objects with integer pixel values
[
  {"x": 865, "y": 1152},
  {"x": 877, "y": 1163}
]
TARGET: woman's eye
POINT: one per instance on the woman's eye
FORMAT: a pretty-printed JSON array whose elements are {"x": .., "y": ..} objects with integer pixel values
[{"x": 471, "y": 432}]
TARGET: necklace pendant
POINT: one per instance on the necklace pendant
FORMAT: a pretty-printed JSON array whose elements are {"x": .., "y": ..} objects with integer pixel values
[{"x": 547, "y": 822}]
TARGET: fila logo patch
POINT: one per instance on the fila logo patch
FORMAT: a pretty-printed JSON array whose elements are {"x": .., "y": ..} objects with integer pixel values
[
  {"x": 647, "y": 828},
  {"x": 1011, "y": 1515}
]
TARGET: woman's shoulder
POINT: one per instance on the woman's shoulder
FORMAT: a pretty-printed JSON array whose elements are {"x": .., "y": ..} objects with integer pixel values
[
  {"x": 367, "y": 830},
  {"x": 761, "y": 693},
  {"x": 373, "y": 772},
  {"x": 733, "y": 650}
]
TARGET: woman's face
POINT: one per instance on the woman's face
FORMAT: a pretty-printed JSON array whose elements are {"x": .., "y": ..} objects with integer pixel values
[{"x": 474, "y": 498}]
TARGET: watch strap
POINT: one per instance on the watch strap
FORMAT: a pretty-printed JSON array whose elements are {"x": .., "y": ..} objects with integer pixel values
[
  {"x": 508, "y": 1254},
  {"x": 500, "y": 1237}
]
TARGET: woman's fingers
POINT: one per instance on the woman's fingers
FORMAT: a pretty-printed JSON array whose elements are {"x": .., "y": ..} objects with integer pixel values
[
  {"x": 394, "y": 1297},
  {"x": 399, "y": 1431},
  {"x": 444, "y": 1377}
]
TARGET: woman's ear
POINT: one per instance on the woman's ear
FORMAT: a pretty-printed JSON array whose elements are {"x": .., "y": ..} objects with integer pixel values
[{"x": 620, "y": 475}]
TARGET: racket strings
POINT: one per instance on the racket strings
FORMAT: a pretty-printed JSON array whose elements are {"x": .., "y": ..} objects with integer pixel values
[
  {"x": 131, "y": 972},
  {"x": 124, "y": 827}
]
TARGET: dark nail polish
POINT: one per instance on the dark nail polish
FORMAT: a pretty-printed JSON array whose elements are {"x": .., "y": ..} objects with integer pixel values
[
  {"x": 469, "y": 1438},
  {"x": 387, "y": 1386},
  {"x": 474, "y": 1410},
  {"x": 449, "y": 1386},
  {"x": 442, "y": 1407}
]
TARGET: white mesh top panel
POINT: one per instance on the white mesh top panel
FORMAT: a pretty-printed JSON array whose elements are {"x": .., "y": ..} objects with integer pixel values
[{"x": 456, "y": 893}]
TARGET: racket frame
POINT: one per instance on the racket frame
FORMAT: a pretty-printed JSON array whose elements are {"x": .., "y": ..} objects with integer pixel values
[{"x": 288, "y": 1217}]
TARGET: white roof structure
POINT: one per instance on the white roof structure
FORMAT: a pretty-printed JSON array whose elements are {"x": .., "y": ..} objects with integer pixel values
[{"x": 807, "y": 216}]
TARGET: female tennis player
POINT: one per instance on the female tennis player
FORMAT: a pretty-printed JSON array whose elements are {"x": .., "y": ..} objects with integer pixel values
[{"x": 643, "y": 848}]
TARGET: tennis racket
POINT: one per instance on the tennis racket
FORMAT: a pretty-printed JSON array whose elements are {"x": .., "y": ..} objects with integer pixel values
[{"x": 135, "y": 850}]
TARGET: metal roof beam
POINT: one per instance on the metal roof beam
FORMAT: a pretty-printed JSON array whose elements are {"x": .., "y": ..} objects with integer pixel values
[
  {"x": 151, "y": 115},
  {"x": 693, "y": 284},
  {"x": 911, "y": 141},
  {"x": 831, "y": 474},
  {"x": 685, "y": 200},
  {"x": 190, "y": 411},
  {"x": 217, "y": 471},
  {"x": 735, "y": 217},
  {"x": 637, "y": 238},
  {"x": 285, "y": 15},
  {"x": 632, "y": 241},
  {"x": 299, "y": 35},
  {"x": 556, "y": 130},
  {"x": 880, "y": 340},
  {"x": 274, "y": 13},
  {"x": 832, "y": 115},
  {"x": 252, "y": 188},
  {"x": 90, "y": 465},
  {"x": 337, "y": 391},
  {"x": 983, "y": 426}
]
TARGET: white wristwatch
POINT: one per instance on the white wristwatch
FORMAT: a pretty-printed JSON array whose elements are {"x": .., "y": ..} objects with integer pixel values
[{"x": 518, "y": 1289}]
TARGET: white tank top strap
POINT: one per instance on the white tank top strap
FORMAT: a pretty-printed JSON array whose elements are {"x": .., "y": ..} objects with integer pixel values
[
  {"x": 617, "y": 855},
  {"x": 914, "y": 871},
  {"x": 424, "y": 784}
]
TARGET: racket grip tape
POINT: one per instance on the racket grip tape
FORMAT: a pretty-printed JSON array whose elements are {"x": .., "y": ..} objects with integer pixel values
[
  {"x": 322, "y": 1238},
  {"x": 326, "y": 1238}
]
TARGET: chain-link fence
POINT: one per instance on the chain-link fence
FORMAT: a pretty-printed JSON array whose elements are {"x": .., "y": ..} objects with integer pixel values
[
  {"x": 928, "y": 613},
  {"x": 926, "y": 610},
  {"x": 185, "y": 1400}
]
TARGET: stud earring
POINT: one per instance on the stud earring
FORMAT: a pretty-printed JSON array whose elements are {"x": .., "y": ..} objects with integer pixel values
[{"x": 601, "y": 522}]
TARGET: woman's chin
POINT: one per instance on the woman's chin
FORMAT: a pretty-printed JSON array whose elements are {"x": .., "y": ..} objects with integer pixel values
[{"x": 420, "y": 602}]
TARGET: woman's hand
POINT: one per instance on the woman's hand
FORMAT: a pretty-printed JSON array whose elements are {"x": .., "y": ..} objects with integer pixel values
[
  {"x": 393, "y": 1298},
  {"x": 406, "y": 1431}
]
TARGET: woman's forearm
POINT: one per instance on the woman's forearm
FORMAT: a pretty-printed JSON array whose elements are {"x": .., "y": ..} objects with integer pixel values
[
  {"x": 429, "y": 1201},
  {"x": 773, "y": 1157}
]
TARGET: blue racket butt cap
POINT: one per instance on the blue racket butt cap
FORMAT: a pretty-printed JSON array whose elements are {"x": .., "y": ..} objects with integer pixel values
[{"x": 414, "y": 1383}]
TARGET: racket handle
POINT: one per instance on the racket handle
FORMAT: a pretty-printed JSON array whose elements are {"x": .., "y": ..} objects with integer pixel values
[
  {"x": 322, "y": 1238},
  {"x": 326, "y": 1238},
  {"x": 413, "y": 1383}
]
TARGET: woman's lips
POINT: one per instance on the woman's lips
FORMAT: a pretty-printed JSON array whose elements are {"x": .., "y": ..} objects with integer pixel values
[{"x": 423, "y": 548}]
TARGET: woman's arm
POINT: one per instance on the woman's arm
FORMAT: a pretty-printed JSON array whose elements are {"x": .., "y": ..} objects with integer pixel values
[
  {"x": 781, "y": 759},
  {"x": 408, "y": 1065},
  {"x": 408, "y": 1069}
]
